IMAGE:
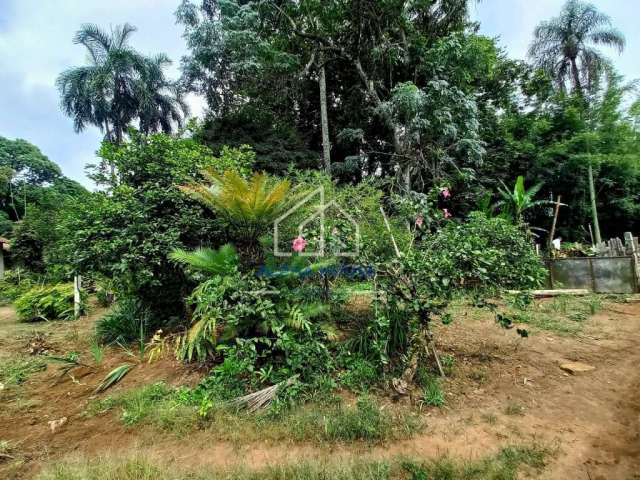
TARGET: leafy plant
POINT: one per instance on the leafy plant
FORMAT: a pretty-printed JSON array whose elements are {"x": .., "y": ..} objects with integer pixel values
[
  {"x": 516, "y": 202},
  {"x": 53, "y": 302},
  {"x": 212, "y": 262},
  {"x": 123, "y": 323}
]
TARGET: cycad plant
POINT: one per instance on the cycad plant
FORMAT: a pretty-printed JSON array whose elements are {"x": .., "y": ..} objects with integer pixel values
[
  {"x": 223, "y": 261},
  {"x": 248, "y": 206}
]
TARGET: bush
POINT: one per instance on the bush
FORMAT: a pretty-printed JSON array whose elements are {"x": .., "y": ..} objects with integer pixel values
[
  {"x": 124, "y": 323},
  {"x": 15, "y": 283},
  {"x": 486, "y": 252},
  {"x": 46, "y": 303}
]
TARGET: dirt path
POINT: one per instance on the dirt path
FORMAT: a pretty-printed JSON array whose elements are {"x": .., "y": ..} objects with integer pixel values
[{"x": 504, "y": 392}]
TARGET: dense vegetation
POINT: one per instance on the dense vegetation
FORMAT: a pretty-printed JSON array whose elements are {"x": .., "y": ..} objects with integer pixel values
[{"x": 413, "y": 123}]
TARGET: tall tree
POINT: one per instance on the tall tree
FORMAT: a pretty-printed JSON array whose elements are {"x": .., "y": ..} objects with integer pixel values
[
  {"x": 565, "y": 45},
  {"x": 118, "y": 86}
]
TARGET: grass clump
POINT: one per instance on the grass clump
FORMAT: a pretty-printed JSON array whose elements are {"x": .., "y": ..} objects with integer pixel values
[
  {"x": 179, "y": 411},
  {"x": 155, "y": 404},
  {"x": 128, "y": 319},
  {"x": 15, "y": 371},
  {"x": 506, "y": 465},
  {"x": 565, "y": 315}
]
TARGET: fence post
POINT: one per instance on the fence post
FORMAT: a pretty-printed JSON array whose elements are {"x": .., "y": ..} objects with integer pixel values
[
  {"x": 77, "y": 302},
  {"x": 635, "y": 254}
]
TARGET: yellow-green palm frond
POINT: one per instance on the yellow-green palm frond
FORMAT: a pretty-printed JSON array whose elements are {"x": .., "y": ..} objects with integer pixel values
[{"x": 253, "y": 204}]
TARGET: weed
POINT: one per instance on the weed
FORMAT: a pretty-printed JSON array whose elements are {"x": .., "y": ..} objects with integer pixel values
[
  {"x": 432, "y": 388},
  {"x": 179, "y": 411},
  {"x": 514, "y": 408},
  {"x": 360, "y": 375},
  {"x": 433, "y": 394},
  {"x": 14, "y": 371},
  {"x": 504, "y": 466},
  {"x": 97, "y": 351},
  {"x": 489, "y": 418}
]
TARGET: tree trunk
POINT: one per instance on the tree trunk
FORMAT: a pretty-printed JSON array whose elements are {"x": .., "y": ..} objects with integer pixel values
[
  {"x": 577, "y": 84},
  {"x": 594, "y": 207},
  {"x": 112, "y": 167},
  {"x": 324, "y": 119}
]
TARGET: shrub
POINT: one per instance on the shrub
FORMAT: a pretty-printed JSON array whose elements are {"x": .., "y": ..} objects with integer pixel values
[
  {"x": 487, "y": 253},
  {"x": 46, "y": 303},
  {"x": 124, "y": 323},
  {"x": 15, "y": 283},
  {"x": 359, "y": 375}
]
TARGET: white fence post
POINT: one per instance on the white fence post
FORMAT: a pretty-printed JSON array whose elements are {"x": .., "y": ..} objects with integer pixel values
[{"x": 77, "y": 301}]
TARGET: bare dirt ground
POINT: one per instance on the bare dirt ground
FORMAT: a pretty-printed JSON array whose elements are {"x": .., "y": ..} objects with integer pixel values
[{"x": 504, "y": 391}]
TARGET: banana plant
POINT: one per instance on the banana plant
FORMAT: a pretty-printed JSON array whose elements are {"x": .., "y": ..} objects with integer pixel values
[{"x": 516, "y": 202}]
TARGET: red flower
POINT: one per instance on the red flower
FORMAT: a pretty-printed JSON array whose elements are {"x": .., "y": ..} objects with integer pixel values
[
  {"x": 445, "y": 192},
  {"x": 446, "y": 213}
]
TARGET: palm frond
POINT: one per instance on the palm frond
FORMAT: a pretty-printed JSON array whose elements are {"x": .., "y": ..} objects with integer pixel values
[
  {"x": 115, "y": 376},
  {"x": 216, "y": 262}
]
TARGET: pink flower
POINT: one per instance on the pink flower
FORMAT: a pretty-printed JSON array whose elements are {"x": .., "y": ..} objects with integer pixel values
[
  {"x": 445, "y": 192},
  {"x": 446, "y": 213},
  {"x": 419, "y": 221},
  {"x": 299, "y": 244}
]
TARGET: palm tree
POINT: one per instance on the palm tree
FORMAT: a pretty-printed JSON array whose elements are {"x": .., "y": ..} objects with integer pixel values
[
  {"x": 161, "y": 103},
  {"x": 564, "y": 45},
  {"x": 119, "y": 86},
  {"x": 102, "y": 93}
]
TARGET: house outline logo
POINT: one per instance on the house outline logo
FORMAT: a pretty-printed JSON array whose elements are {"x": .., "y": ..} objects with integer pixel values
[{"x": 319, "y": 213}]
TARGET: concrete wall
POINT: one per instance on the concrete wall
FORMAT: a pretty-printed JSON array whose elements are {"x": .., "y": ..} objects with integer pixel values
[{"x": 599, "y": 274}]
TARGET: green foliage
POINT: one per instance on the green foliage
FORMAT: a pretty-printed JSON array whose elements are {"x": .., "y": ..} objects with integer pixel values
[
  {"x": 212, "y": 262},
  {"x": 248, "y": 207},
  {"x": 359, "y": 374},
  {"x": 53, "y": 302},
  {"x": 241, "y": 160},
  {"x": 514, "y": 204},
  {"x": 486, "y": 253},
  {"x": 126, "y": 235},
  {"x": 124, "y": 323},
  {"x": 15, "y": 283}
]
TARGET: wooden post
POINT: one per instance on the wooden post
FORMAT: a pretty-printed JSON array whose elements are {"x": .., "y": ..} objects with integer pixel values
[
  {"x": 77, "y": 303},
  {"x": 555, "y": 221},
  {"x": 635, "y": 254}
]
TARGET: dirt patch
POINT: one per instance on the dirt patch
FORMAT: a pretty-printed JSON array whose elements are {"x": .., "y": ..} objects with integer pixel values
[{"x": 504, "y": 391}]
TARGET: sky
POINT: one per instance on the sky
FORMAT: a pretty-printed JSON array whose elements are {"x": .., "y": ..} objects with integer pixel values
[{"x": 36, "y": 45}]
